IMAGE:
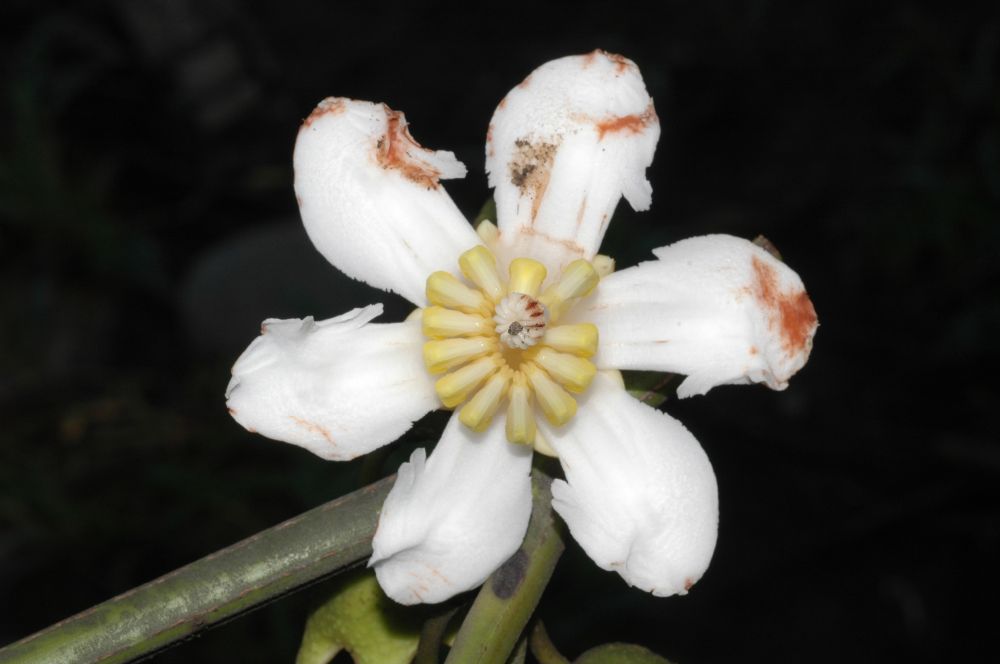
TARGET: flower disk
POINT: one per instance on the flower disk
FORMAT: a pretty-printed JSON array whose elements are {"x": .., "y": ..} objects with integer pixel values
[{"x": 497, "y": 341}]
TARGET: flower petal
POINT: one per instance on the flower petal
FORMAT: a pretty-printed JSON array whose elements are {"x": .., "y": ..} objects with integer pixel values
[
  {"x": 716, "y": 308},
  {"x": 563, "y": 147},
  {"x": 370, "y": 198},
  {"x": 640, "y": 496},
  {"x": 340, "y": 388},
  {"x": 451, "y": 520}
]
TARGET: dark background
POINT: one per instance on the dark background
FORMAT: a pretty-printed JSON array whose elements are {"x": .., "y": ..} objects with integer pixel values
[{"x": 147, "y": 225}]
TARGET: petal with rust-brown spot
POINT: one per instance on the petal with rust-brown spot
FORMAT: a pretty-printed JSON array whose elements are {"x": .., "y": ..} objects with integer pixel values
[{"x": 791, "y": 314}]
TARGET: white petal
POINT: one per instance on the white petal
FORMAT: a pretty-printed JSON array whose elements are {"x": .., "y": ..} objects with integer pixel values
[
  {"x": 450, "y": 521},
  {"x": 715, "y": 308},
  {"x": 370, "y": 198},
  {"x": 562, "y": 149},
  {"x": 640, "y": 496},
  {"x": 340, "y": 388}
]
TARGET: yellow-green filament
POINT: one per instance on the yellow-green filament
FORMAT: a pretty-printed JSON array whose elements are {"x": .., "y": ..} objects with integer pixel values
[
  {"x": 441, "y": 323},
  {"x": 479, "y": 411},
  {"x": 577, "y": 280},
  {"x": 526, "y": 276},
  {"x": 557, "y": 405},
  {"x": 572, "y": 372},
  {"x": 454, "y": 388},
  {"x": 445, "y": 290},
  {"x": 579, "y": 339},
  {"x": 441, "y": 355},
  {"x": 520, "y": 425}
]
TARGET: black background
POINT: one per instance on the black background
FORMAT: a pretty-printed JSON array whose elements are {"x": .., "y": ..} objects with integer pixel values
[{"x": 147, "y": 225}]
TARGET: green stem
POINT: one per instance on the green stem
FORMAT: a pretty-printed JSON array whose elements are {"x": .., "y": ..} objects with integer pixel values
[
  {"x": 222, "y": 585},
  {"x": 431, "y": 636},
  {"x": 542, "y": 647},
  {"x": 509, "y": 597}
]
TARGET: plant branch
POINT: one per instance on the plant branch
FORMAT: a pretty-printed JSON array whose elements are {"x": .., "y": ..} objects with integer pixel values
[
  {"x": 509, "y": 597},
  {"x": 235, "y": 580}
]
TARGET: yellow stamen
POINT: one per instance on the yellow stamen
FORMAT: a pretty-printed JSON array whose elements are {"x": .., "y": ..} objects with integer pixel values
[
  {"x": 557, "y": 405},
  {"x": 542, "y": 446},
  {"x": 441, "y": 323},
  {"x": 440, "y": 355},
  {"x": 604, "y": 265},
  {"x": 480, "y": 267},
  {"x": 520, "y": 424},
  {"x": 488, "y": 232},
  {"x": 579, "y": 339},
  {"x": 574, "y": 373},
  {"x": 479, "y": 411},
  {"x": 526, "y": 275},
  {"x": 444, "y": 289},
  {"x": 577, "y": 280},
  {"x": 454, "y": 388}
]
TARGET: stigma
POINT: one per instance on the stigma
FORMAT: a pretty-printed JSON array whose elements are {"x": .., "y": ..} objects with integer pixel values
[
  {"x": 496, "y": 341},
  {"x": 520, "y": 320}
]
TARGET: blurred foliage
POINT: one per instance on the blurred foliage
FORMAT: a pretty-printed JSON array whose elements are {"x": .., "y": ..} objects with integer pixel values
[{"x": 144, "y": 172}]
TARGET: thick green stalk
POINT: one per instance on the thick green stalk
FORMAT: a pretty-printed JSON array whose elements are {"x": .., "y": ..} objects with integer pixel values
[
  {"x": 222, "y": 585},
  {"x": 503, "y": 607}
]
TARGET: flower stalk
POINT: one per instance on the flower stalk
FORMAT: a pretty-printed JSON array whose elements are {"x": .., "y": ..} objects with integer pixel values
[
  {"x": 500, "y": 612},
  {"x": 223, "y": 585}
]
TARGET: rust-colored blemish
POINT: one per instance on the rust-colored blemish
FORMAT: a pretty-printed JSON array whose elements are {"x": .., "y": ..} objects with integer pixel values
[
  {"x": 313, "y": 427},
  {"x": 531, "y": 168},
  {"x": 232, "y": 411},
  {"x": 634, "y": 123},
  {"x": 753, "y": 350},
  {"x": 503, "y": 102},
  {"x": 688, "y": 583},
  {"x": 395, "y": 150},
  {"x": 329, "y": 106},
  {"x": 525, "y": 83},
  {"x": 620, "y": 61},
  {"x": 791, "y": 313},
  {"x": 569, "y": 244},
  {"x": 579, "y": 213}
]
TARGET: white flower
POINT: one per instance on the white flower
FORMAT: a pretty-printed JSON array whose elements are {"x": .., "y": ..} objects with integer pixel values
[{"x": 563, "y": 147}]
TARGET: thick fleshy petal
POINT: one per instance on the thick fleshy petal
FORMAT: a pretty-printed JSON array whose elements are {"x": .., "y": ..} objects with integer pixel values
[
  {"x": 371, "y": 200},
  {"x": 716, "y": 308},
  {"x": 563, "y": 147},
  {"x": 640, "y": 496},
  {"x": 452, "y": 519},
  {"x": 340, "y": 388}
]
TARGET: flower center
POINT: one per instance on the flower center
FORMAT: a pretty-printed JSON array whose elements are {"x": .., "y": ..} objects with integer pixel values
[
  {"x": 496, "y": 341},
  {"x": 520, "y": 320}
]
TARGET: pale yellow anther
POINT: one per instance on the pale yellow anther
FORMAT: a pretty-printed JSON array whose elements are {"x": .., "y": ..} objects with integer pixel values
[
  {"x": 480, "y": 267},
  {"x": 579, "y": 339},
  {"x": 572, "y": 372},
  {"x": 455, "y": 387},
  {"x": 526, "y": 276},
  {"x": 604, "y": 265},
  {"x": 479, "y": 411},
  {"x": 440, "y": 355},
  {"x": 577, "y": 280},
  {"x": 488, "y": 232},
  {"x": 441, "y": 323},
  {"x": 542, "y": 446},
  {"x": 556, "y": 403},
  {"x": 444, "y": 289},
  {"x": 520, "y": 425}
]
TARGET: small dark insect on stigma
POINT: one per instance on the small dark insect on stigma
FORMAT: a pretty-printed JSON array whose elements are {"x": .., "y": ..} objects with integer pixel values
[{"x": 515, "y": 328}]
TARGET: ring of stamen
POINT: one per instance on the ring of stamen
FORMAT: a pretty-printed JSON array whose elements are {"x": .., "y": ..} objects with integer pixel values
[{"x": 495, "y": 341}]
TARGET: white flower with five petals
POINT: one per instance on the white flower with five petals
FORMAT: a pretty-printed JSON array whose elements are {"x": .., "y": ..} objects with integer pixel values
[{"x": 521, "y": 318}]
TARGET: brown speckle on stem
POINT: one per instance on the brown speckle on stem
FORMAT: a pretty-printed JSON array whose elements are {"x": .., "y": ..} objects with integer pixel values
[{"x": 510, "y": 575}]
